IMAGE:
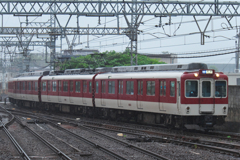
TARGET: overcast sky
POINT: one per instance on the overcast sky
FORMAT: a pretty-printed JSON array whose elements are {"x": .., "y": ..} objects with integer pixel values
[{"x": 182, "y": 36}]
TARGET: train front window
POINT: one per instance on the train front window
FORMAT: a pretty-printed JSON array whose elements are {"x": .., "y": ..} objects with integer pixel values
[
  {"x": 206, "y": 89},
  {"x": 220, "y": 89},
  {"x": 191, "y": 88}
]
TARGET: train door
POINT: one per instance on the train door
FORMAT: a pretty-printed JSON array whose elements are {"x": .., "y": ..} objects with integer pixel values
[
  {"x": 59, "y": 91},
  {"x": 71, "y": 95},
  {"x": 140, "y": 94},
  {"x": 120, "y": 93},
  {"x": 178, "y": 96},
  {"x": 207, "y": 90},
  {"x": 48, "y": 90},
  {"x": 162, "y": 95},
  {"x": 84, "y": 101},
  {"x": 103, "y": 91}
]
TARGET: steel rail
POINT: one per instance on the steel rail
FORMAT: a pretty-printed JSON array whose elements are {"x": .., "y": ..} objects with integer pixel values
[
  {"x": 53, "y": 148},
  {"x": 185, "y": 141},
  {"x": 149, "y": 153},
  {"x": 86, "y": 141},
  {"x": 20, "y": 150},
  {"x": 78, "y": 137}
]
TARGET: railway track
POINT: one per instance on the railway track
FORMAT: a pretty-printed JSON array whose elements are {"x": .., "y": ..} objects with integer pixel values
[
  {"x": 219, "y": 147},
  {"x": 20, "y": 150},
  {"x": 48, "y": 144},
  {"x": 214, "y": 146},
  {"x": 125, "y": 144}
]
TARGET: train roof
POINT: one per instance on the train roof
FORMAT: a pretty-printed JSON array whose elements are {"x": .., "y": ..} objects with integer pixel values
[{"x": 150, "y": 71}]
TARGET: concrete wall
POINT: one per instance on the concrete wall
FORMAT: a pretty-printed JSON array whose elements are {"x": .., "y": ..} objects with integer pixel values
[{"x": 233, "y": 104}]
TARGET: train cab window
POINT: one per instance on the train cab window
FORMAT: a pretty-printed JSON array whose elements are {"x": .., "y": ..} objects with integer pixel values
[
  {"x": 103, "y": 86},
  {"x": 96, "y": 87},
  {"x": 90, "y": 87},
  {"x": 54, "y": 86},
  {"x": 48, "y": 85},
  {"x": 71, "y": 86},
  {"x": 220, "y": 89},
  {"x": 150, "y": 88},
  {"x": 77, "y": 88},
  {"x": 120, "y": 87},
  {"x": 29, "y": 86},
  {"x": 191, "y": 88},
  {"x": 36, "y": 86},
  {"x": 140, "y": 87},
  {"x": 130, "y": 87},
  {"x": 172, "y": 89},
  {"x": 206, "y": 89},
  {"x": 84, "y": 86},
  {"x": 59, "y": 86},
  {"x": 44, "y": 86},
  {"x": 65, "y": 86},
  {"x": 111, "y": 87}
]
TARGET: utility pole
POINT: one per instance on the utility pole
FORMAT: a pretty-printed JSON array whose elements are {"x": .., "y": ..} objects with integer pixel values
[{"x": 237, "y": 52}]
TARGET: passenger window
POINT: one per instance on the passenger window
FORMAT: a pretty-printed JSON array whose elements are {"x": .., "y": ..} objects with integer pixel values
[
  {"x": 44, "y": 86},
  {"x": 130, "y": 87},
  {"x": 29, "y": 86},
  {"x": 90, "y": 87},
  {"x": 111, "y": 87},
  {"x": 220, "y": 89},
  {"x": 164, "y": 88},
  {"x": 103, "y": 86},
  {"x": 77, "y": 87},
  {"x": 172, "y": 89},
  {"x": 191, "y": 89},
  {"x": 23, "y": 86},
  {"x": 65, "y": 86},
  {"x": 140, "y": 87},
  {"x": 120, "y": 87},
  {"x": 36, "y": 86},
  {"x": 96, "y": 87},
  {"x": 206, "y": 89},
  {"x": 151, "y": 88},
  {"x": 54, "y": 86}
]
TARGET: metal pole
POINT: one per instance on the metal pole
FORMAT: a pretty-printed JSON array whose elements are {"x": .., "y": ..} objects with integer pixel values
[{"x": 237, "y": 55}]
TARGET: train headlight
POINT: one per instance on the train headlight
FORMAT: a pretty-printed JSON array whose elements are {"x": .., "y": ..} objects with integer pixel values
[
  {"x": 196, "y": 74},
  {"x": 217, "y": 75}
]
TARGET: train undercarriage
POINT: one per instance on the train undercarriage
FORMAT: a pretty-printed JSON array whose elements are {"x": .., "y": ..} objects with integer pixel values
[{"x": 172, "y": 121}]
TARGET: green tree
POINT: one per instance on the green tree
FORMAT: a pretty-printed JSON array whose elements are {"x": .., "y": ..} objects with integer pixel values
[{"x": 106, "y": 59}]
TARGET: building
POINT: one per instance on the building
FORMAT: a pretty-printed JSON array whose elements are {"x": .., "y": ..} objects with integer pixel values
[
  {"x": 68, "y": 54},
  {"x": 165, "y": 57}
]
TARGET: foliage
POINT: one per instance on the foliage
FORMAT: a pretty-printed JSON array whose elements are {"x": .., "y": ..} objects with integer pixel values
[{"x": 106, "y": 59}]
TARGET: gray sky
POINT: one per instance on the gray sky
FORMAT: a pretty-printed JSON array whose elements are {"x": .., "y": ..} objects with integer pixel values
[{"x": 182, "y": 36}]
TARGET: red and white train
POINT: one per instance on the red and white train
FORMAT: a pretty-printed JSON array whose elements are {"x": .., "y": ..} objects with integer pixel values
[{"x": 173, "y": 95}]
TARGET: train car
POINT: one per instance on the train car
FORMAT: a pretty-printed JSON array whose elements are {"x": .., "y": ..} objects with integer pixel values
[{"x": 173, "y": 95}]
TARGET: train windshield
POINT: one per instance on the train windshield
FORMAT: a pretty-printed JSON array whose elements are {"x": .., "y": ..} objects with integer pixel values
[
  {"x": 220, "y": 89},
  {"x": 191, "y": 88}
]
